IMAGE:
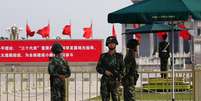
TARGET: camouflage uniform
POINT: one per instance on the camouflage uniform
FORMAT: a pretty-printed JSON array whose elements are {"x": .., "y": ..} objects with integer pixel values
[
  {"x": 164, "y": 54},
  {"x": 131, "y": 73},
  {"x": 110, "y": 84},
  {"x": 58, "y": 66}
]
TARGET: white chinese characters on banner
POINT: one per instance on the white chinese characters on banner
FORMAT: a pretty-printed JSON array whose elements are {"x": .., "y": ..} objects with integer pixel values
[{"x": 40, "y": 50}]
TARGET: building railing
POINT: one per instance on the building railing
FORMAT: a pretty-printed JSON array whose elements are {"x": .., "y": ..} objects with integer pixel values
[
  {"x": 24, "y": 87},
  {"x": 82, "y": 86}
]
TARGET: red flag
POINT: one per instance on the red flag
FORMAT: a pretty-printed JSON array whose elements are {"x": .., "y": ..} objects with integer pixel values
[
  {"x": 113, "y": 30},
  {"x": 67, "y": 30},
  {"x": 137, "y": 35},
  {"x": 45, "y": 31},
  {"x": 184, "y": 33},
  {"x": 29, "y": 32},
  {"x": 160, "y": 34},
  {"x": 88, "y": 32}
]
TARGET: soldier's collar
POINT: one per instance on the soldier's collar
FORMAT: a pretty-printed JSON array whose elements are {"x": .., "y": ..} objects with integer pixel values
[{"x": 113, "y": 54}]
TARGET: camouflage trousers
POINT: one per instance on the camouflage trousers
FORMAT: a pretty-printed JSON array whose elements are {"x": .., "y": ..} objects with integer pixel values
[
  {"x": 57, "y": 89},
  {"x": 109, "y": 86},
  {"x": 129, "y": 93}
]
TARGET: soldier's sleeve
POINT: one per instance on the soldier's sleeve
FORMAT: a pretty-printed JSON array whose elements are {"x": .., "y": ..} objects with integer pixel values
[
  {"x": 122, "y": 66},
  {"x": 136, "y": 76},
  {"x": 126, "y": 68},
  {"x": 136, "y": 66},
  {"x": 51, "y": 69},
  {"x": 67, "y": 70},
  {"x": 99, "y": 68}
]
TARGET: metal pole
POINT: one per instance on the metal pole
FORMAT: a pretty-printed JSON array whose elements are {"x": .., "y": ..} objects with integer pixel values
[
  {"x": 89, "y": 85},
  {"x": 97, "y": 84},
  {"x": 7, "y": 86},
  {"x": 173, "y": 93},
  {"x": 29, "y": 87},
  {"x": 0, "y": 86},
  {"x": 67, "y": 91},
  {"x": 21, "y": 86},
  {"x": 14, "y": 85},
  {"x": 36, "y": 86},
  {"x": 43, "y": 86},
  {"x": 193, "y": 59},
  {"x": 82, "y": 87},
  {"x": 75, "y": 85}
]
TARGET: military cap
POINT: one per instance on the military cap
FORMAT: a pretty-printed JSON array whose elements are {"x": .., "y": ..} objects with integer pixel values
[
  {"x": 57, "y": 48},
  {"x": 111, "y": 39},
  {"x": 132, "y": 43}
]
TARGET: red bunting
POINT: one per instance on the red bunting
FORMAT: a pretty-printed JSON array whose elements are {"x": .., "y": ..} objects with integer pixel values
[
  {"x": 160, "y": 34},
  {"x": 45, "y": 31},
  {"x": 28, "y": 31},
  {"x": 67, "y": 30},
  {"x": 87, "y": 32},
  {"x": 137, "y": 35},
  {"x": 113, "y": 31},
  {"x": 184, "y": 33}
]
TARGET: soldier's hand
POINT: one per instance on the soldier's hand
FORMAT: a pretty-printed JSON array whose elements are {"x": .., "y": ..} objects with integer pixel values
[
  {"x": 120, "y": 81},
  {"x": 118, "y": 84},
  {"x": 62, "y": 77},
  {"x": 108, "y": 73}
]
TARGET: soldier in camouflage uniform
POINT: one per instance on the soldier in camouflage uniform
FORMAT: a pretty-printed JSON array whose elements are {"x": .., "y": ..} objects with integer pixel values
[
  {"x": 131, "y": 73},
  {"x": 164, "y": 54},
  {"x": 58, "y": 69},
  {"x": 111, "y": 66}
]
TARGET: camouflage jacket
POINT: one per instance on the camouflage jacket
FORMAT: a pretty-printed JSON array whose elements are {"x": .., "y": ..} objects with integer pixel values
[
  {"x": 131, "y": 70},
  {"x": 113, "y": 63},
  {"x": 58, "y": 66}
]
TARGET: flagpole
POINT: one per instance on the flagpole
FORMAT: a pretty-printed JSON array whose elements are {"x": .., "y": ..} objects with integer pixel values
[
  {"x": 49, "y": 29},
  {"x": 172, "y": 62},
  {"x": 26, "y": 29},
  {"x": 91, "y": 28},
  {"x": 70, "y": 28}
]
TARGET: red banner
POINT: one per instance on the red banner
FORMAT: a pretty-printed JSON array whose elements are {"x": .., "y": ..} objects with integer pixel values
[{"x": 39, "y": 50}]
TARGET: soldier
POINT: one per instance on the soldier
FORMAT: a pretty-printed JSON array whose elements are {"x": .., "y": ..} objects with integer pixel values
[
  {"x": 164, "y": 54},
  {"x": 111, "y": 66},
  {"x": 131, "y": 73},
  {"x": 58, "y": 69}
]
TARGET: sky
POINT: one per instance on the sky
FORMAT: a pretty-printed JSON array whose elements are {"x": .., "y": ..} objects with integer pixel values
[{"x": 81, "y": 13}]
